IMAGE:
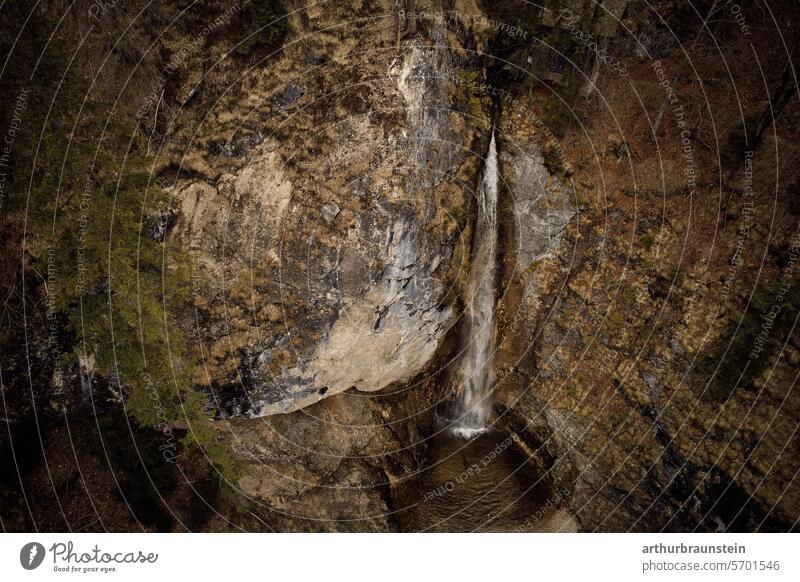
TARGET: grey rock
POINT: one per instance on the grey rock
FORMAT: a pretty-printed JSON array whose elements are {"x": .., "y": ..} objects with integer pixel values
[
  {"x": 654, "y": 387},
  {"x": 330, "y": 211},
  {"x": 542, "y": 204},
  {"x": 372, "y": 312},
  {"x": 289, "y": 96},
  {"x": 676, "y": 346}
]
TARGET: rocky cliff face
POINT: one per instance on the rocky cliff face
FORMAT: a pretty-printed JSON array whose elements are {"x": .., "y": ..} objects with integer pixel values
[
  {"x": 334, "y": 250},
  {"x": 624, "y": 285},
  {"x": 328, "y": 219},
  {"x": 330, "y": 248},
  {"x": 323, "y": 189}
]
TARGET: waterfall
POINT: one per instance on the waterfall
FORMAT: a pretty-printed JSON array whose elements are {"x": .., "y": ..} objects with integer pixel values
[{"x": 474, "y": 406}]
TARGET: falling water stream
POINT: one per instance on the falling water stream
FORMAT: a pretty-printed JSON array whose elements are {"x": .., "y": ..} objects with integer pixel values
[
  {"x": 474, "y": 406},
  {"x": 475, "y": 477}
]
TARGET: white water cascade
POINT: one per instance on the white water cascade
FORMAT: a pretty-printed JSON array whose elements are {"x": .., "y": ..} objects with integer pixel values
[{"x": 474, "y": 406}]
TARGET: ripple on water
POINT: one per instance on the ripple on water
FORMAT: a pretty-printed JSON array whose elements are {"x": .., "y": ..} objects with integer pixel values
[{"x": 485, "y": 483}]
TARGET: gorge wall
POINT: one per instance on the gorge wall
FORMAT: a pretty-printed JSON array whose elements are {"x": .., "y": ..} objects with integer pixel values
[{"x": 322, "y": 189}]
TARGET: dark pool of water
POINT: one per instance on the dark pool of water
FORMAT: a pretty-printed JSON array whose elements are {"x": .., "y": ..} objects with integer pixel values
[{"x": 483, "y": 484}]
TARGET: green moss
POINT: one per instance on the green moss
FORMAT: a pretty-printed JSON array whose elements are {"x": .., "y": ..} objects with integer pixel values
[
  {"x": 533, "y": 267},
  {"x": 456, "y": 212},
  {"x": 620, "y": 418},
  {"x": 472, "y": 92},
  {"x": 615, "y": 323},
  {"x": 627, "y": 297},
  {"x": 572, "y": 390},
  {"x": 624, "y": 303}
]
